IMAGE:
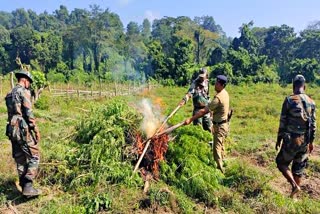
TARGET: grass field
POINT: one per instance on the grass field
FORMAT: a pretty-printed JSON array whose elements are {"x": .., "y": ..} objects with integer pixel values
[{"x": 189, "y": 182}]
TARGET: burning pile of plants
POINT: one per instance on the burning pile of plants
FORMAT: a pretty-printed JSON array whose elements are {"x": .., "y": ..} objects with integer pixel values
[
  {"x": 154, "y": 154},
  {"x": 110, "y": 141}
]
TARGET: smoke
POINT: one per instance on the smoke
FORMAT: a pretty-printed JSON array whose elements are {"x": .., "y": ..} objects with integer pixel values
[{"x": 151, "y": 117}]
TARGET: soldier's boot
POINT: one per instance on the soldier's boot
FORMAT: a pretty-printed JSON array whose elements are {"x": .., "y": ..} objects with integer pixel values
[
  {"x": 22, "y": 182},
  {"x": 30, "y": 191}
]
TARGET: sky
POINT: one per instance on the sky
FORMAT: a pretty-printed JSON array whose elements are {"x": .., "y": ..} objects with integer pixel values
[{"x": 230, "y": 14}]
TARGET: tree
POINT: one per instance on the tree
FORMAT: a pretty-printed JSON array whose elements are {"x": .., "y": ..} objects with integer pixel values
[
  {"x": 308, "y": 45},
  {"x": 23, "y": 43},
  {"x": 146, "y": 30},
  {"x": 218, "y": 55},
  {"x": 157, "y": 66},
  {"x": 133, "y": 29},
  {"x": 20, "y": 18},
  {"x": 34, "y": 19},
  {"x": 183, "y": 57},
  {"x": 247, "y": 40},
  {"x": 314, "y": 26},
  {"x": 309, "y": 68},
  {"x": 162, "y": 30},
  {"x": 48, "y": 51},
  {"x": 6, "y": 19},
  {"x": 224, "y": 68},
  {"x": 62, "y": 14},
  {"x": 279, "y": 44},
  {"x": 47, "y": 22}
]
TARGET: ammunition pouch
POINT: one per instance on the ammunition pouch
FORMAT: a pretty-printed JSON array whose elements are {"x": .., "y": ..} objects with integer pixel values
[{"x": 18, "y": 129}]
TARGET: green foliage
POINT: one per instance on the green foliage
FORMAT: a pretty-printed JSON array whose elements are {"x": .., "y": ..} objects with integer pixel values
[
  {"x": 63, "y": 68},
  {"x": 190, "y": 165},
  {"x": 221, "y": 68},
  {"x": 79, "y": 77},
  {"x": 183, "y": 59},
  {"x": 307, "y": 67},
  {"x": 102, "y": 142},
  {"x": 94, "y": 203},
  {"x": 61, "y": 205},
  {"x": 159, "y": 196},
  {"x": 39, "y": 80},
  {"x": 43, "y": 103},
  {"x": 247, "y": 40},
  {"x": 54, "y": 77}
]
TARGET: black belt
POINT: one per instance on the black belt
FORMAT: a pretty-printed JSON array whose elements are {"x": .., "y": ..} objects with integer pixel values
[
  {"x": 199, "y": 107},
  {"x": 219, "y": 123}
]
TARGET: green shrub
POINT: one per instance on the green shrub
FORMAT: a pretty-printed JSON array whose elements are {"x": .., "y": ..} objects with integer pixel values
[
  {"x": 43, "y": 103},
  {"x": 94, "y": 203},
  {"x": 190, "y": 165},
  {"x": 101, "y": 138},
  {"x": 159, "y": 196}
]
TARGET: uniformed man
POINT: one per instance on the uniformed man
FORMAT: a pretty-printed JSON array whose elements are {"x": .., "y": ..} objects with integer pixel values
[
  {"x": 220, "y": 109},
  {"x": 23, "y": 133},
  {"x": 199, "y": 92},
  {"x": 296, "y": 132}
]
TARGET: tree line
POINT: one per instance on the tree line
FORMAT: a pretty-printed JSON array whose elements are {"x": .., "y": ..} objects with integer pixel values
[{"x": 87, "y": 45}]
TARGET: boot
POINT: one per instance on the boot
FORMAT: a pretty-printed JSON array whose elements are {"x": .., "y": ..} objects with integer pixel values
[
  {"x": 30, "y": 191},
  {"x": 22, "y": 182}
]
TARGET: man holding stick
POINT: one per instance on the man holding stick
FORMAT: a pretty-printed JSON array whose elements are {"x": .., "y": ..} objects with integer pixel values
[{"x": 220, "y": 109}]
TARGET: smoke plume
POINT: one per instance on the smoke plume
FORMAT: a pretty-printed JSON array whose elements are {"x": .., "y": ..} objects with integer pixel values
[{"x": 151, "y": 117}]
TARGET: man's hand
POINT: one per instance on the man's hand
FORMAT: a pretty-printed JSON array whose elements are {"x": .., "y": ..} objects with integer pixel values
[
  {"x": 38, "y": 137},
  {"x": 278, "y": 144},
  {"x": 310, "y": 147},
  {"x": 37, "y": 134},
  {"x": 187, "y": 121}
]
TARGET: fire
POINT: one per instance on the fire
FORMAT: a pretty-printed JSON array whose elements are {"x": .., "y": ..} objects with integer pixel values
[
  {"x": 155, "y": 153},
  {"x": 151, "y": 124}
]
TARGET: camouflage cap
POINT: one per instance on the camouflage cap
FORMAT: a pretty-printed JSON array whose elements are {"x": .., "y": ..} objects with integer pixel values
[
  {"x": 202, "y": 73},
  {"x": 23, "y": 73},
  {"x": 299, "y": 79},
  {"x": 201, "y": 76},
  {"x": 222, "y": 79}
]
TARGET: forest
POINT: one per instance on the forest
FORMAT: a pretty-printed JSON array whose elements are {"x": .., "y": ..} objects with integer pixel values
[{"x": 90, "y": 45}]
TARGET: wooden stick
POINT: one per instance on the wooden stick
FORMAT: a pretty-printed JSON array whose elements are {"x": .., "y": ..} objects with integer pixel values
[
  {"x": 149, "y": 140},
  {"x": 142, "y": 155},
  {"x": 172, "y": 128}
]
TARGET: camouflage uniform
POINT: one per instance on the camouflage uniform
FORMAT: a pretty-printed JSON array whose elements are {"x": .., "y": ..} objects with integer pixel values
[
  {"x": 200, "y": 97},
  {"x": 296, "y": 110},
  {"x": 220, "y": 108},
  {"x": 21, "y": 122}
]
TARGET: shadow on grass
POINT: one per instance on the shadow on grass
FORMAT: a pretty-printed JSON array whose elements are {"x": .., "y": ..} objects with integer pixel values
[{"x": 13, "y": 195}]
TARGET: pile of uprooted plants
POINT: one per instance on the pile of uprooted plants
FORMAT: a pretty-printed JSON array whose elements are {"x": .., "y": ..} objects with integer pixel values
[{"x": 106, "y": 146}]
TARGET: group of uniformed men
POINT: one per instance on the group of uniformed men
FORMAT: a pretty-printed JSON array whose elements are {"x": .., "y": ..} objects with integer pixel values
[{"x": 296, "y": 131}]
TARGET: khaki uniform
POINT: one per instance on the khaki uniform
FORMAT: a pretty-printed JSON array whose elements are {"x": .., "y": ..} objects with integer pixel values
[
  {"x": 220, "y": 108},
  {"x": 21, "y": 122},
  {"x": 297, "y": 131}
]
